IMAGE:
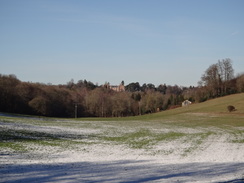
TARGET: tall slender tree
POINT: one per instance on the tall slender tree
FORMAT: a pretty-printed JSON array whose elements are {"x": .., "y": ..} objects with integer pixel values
[{"x": 217, "y": 77}]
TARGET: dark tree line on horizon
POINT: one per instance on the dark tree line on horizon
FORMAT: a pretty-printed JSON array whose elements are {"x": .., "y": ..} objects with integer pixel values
[{"x": 98, "y": 101}]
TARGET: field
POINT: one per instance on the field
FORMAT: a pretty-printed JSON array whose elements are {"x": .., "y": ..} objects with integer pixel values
[{"x": 198, "y": 143}]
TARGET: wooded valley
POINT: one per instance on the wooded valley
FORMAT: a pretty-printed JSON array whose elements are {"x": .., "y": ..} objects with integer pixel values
[{"x": 85, "y": 99}]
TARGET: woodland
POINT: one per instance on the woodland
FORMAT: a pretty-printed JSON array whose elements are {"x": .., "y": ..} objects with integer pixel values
[{"x": 85, "y": 99}]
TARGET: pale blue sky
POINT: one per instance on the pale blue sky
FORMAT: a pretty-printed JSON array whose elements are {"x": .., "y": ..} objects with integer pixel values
[{"x": 145, "y": 41}]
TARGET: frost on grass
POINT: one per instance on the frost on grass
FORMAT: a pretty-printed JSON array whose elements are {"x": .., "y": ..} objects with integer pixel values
[{"x": 140, "y": 153}]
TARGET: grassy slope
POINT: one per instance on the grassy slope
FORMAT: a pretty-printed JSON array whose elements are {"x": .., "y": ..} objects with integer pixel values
[
  {"x": 216, "y": 106},
  {"x": 212, "y": 112},
  {"x": 211, "y": 117}
]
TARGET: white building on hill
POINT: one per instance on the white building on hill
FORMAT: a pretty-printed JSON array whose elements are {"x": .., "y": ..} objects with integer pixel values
[{"x": 186, "y": 103}]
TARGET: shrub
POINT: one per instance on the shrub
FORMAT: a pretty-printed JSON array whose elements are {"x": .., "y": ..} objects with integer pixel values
[{"x": 231, "y": 108}]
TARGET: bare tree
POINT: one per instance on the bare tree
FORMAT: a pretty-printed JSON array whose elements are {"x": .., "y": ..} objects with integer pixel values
[
  {"x": 212, "y": 79},
  {"x": 218, "y": 76},
  {"x": 226, "y": 72},
  {"x": 240, "y": 83}
]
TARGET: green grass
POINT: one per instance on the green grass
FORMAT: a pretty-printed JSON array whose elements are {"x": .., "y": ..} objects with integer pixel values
[
  {"x": 196, "y": 141},
  {"x": 19, "y": 140},
  {"x": 237, "y": 136},
  {"x": 13, "y": 146},
  {"x": 143, "y": 138}
]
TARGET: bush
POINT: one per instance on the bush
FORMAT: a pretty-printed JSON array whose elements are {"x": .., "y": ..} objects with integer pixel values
[{"x": 231, "y": 108}]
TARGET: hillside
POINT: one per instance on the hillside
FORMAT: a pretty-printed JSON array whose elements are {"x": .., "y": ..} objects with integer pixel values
[
  {"x": 202, "y": 142},
  {"x": 219, "y": 105},
  {"x": 215, "y": 107}
]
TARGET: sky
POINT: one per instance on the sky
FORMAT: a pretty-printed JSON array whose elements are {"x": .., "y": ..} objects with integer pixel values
[{"x": 146, "y": 41}]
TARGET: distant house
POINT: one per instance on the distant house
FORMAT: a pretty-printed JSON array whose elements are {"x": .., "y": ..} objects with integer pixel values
[
  {"x": 186, "y": 103},
  {"x": 119, "y": 88}
]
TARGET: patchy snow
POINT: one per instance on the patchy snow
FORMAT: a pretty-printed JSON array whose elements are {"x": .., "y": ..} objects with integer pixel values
[{"x": 216, "y": 159}]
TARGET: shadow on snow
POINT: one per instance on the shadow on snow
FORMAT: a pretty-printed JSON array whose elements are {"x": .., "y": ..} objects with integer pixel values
[{"x": 123, "y": 171}]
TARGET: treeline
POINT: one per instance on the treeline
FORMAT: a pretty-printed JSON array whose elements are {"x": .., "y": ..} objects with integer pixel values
[
  {"x": 85, "y": 99},
  {"x": 91, "y": 100},
  {"x": 219, "y": 80}
]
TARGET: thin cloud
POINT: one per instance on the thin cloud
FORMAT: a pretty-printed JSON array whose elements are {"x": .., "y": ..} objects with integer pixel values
[
  {"x": 234, "y": 33},
  {"x": 128, "y": 24}
]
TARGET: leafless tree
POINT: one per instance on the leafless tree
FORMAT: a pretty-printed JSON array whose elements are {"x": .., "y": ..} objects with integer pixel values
[{"x": 217, "y": 77}]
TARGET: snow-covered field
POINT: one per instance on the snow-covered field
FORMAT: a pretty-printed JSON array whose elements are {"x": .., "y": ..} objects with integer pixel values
[{"x": 83, "y": 151}]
